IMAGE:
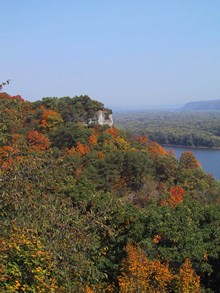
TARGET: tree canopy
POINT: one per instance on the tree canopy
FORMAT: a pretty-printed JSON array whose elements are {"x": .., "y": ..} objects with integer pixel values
[{"x": 90, "y": 208}]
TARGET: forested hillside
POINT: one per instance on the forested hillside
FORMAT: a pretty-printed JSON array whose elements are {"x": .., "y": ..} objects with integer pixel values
[
  {"x": 203, "y": 105},
  {"x": 198, "y": 128},
  {"x": 89, "y": 208}
]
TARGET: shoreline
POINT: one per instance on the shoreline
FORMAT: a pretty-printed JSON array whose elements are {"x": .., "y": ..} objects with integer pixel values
[{"x": 191, "y": 147}]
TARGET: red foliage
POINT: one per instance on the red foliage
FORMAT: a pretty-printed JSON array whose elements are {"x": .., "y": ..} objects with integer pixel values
[
  {"x": 156, "y": 149},
  {"x": 177, "y": 196},
  {"x": 178, "y": 192},
  {"x": 17, "y": 97},
  {"x": 7, "y": 96},
  {"x": 37, "y": 141},
  {"x": 4, "y": 96},
  {"x": 112, "y": 131},
  {"x": 142, "y": 139}
]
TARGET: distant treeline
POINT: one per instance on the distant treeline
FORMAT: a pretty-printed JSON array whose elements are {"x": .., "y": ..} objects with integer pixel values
[
  {"x": 177, "y": 128},
  {"x": 203, "y": 105}
]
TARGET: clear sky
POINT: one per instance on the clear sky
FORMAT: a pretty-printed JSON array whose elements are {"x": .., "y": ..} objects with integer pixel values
[{"x": 124, "y": 53}]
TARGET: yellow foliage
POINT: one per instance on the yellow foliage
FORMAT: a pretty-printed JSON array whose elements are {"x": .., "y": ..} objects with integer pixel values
[
  {"x": 50, "y": 121},
  {"x": 121, "y": 143},
  {"x": 141, "y": 275},
  {"x": 71, "y": 151},
  {"x": 187, "y": 281},
  {"x": 25, "y": 264}
]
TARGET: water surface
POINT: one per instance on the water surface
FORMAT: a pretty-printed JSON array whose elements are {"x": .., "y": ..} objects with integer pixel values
[{"x": 208, "y": 158}]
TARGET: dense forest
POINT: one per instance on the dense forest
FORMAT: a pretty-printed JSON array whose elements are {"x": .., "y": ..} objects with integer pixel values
[
  {"x": 197, "y": 128},
  {"x": 90, "y": 208}
]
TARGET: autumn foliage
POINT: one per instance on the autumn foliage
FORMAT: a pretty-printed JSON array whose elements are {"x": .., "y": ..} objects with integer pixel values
[
  {"x": 25, "y": 264},
  {"x": 6, "y": 156},
  {"x": 112, "y": 131},
  {"x": 101, "y": 155},
  {"x": 38, "y": 142},
  {"x": 141, "y": 139},
  {"x": 188, "y": 161},
  {"x": 50, "y": 121},
  {"x": 17, "y": 97},
  {"x": 176, "y": 197},
  {"x": 155, "y": 149},
  {"x": 187, "y": 281},
  {"x": 82, "y": 150},
  {"x": 139, "y": 274},
  {"x": 73, "y": 195},
  {"x": 92, "y": 139}
]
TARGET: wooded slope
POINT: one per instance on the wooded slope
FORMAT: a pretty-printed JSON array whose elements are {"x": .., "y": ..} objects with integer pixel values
[{"x": 94, "y": 209}]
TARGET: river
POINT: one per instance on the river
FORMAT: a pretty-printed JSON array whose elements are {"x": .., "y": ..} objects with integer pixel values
[{"x": 208, "y": 158}]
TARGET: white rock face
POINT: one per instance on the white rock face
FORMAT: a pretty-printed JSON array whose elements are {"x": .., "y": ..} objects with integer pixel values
[
  {"x": 99, "y": 119},
  {"x": 102, "y": 120}
]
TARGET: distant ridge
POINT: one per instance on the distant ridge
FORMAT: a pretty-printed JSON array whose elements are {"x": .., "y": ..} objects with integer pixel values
[{"x": 203, "y": 105}]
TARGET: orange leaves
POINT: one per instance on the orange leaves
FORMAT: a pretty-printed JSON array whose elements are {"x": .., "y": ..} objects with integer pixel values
[
  {"x": 112, "y": 131},
  {"x": 156, "y": 149},
  {"x": 17, "y": 97},
  {"x": 188, "y": 161},
  {"x": 153, "y": 151},
  {"x": 88, "y": 290},
  {"x": 177, "y": 192},
  {"x": 50, "y": 121},
  {"x": 141, "y": 275},
  {"x": 79, "y": 149},
  {"x": 6, "y": 153},
  {"x": 6, "y": 96},
  {"x": 71, "y": 151},
  {"x": 86, "y": 149},
  {"x": 37, "y": 141},
  {"x": 142, "y": 139},
  {"x": 157, "y": 239},
  {"x": 177, "y": 196},
  {"x": 82, "y": 150},
  {"x": 92, "y": 139},
  {"x": 101, "y": 155},
  {"x": 78, "y": 171},
  {"x": 187, "y": 280}
]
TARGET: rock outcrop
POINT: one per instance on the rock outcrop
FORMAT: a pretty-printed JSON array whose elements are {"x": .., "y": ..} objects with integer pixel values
[{"x": 101, "y": 117}]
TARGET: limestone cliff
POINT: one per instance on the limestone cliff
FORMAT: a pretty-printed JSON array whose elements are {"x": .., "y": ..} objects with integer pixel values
[{"x": 101, "y": 117}]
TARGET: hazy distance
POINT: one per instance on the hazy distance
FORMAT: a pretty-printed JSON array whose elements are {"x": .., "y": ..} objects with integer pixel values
[{"x": 126, "y": 54}]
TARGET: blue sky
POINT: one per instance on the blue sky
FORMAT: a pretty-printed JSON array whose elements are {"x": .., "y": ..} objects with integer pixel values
[{"x": 130, "y": 54}]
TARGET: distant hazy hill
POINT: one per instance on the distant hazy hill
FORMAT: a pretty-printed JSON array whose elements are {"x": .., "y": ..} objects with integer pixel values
[{"x": 203, "y": 105}]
